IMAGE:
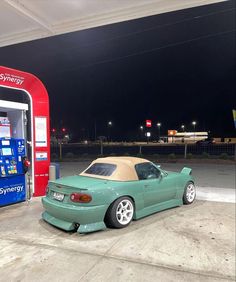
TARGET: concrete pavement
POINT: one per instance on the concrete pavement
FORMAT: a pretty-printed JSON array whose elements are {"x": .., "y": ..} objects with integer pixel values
[{"x": 189, "y": 243}]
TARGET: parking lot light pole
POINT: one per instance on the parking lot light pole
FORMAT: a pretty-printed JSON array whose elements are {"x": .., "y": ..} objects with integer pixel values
[
  {"x": 148, "y": 135},
  {"x": 183, "y": 127},
  {"x": 109, "y": 124},
  {"x": 141, "y": 132},
  {"x": 194, "y": 126},
  {"x": 159, "y": 130}
]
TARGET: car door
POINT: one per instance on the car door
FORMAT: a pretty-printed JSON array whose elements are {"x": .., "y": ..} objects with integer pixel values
[{"x": 157, "y": 187}]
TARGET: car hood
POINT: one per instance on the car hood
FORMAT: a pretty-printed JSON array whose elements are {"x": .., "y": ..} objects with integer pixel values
[{"x": 78, "y": 181}]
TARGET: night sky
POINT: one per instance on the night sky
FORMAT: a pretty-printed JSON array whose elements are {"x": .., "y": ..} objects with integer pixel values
[{"x": 171, "y": 68}]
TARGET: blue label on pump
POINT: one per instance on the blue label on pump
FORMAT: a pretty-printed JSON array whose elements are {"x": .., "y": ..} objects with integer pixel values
[{"x": 12, "y": 190}]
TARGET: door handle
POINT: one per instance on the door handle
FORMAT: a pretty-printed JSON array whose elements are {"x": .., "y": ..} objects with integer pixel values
[{"x": 146, "y": 185}]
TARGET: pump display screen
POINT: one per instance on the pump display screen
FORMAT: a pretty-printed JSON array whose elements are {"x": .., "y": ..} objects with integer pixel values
[
  {"x": 5, "y": 142},
  {"x": 6, "y": 152}
]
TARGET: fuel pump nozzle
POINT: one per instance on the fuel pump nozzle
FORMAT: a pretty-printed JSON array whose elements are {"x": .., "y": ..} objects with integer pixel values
[{"x": 26, "y": 164}]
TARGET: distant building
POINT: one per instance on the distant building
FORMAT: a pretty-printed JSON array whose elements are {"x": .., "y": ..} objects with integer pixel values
[{"x": 188, "y": 137}]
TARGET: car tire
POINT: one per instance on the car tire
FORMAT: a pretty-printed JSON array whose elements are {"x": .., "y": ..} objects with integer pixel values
[
  {"x": 189, "y": 193},
  {"x": 120, "y": 213}
]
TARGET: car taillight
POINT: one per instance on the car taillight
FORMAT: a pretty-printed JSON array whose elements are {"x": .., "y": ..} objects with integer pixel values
[{"x": 80, "y": 198}]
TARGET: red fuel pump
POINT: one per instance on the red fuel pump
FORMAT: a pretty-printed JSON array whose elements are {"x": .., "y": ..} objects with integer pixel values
[{"x": 37, "y": 95}]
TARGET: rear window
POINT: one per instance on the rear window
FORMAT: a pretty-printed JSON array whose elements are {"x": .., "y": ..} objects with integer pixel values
[{"x": 101, "y": 169}]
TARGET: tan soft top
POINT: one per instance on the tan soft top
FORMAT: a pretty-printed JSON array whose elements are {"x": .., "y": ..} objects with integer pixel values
[{"x": 124, "y": 171}]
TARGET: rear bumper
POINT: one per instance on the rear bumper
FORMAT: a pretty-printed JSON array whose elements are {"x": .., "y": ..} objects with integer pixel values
[{"x": 67, "y": 216}]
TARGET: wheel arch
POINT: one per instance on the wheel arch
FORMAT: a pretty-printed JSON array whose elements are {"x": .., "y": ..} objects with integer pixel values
[
  {"x": 120, "y": 196},
  {"x": 190, "y": 181}
]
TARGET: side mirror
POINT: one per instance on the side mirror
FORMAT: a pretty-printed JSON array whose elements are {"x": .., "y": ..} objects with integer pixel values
[{"x": 151, "y": 176}]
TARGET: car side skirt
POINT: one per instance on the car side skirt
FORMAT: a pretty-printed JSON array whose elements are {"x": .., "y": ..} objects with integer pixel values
[{"x": 158, "y": 207}]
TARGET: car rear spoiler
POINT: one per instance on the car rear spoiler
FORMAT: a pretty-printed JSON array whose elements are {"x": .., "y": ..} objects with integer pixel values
[{"x": 186, "y": 170}]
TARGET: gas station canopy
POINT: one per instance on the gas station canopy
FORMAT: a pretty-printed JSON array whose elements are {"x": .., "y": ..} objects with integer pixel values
[{"x": 25, "y": 20}]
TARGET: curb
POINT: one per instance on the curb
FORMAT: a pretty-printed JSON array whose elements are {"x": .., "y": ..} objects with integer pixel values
[{"x": 215, "y": 194}]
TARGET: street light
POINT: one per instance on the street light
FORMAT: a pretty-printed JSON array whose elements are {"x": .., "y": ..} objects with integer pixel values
[
  {"x": 109, "y": 124},
  {"x": 194, "y": 126},
  {"x": 148, "y": 135},
  {"x": 183, "y": 127},
  {"x": 159, "y": 130},
  {"x": 141, "y": 132}
]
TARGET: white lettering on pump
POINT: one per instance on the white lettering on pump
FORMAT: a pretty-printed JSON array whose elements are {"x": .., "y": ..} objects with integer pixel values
[
  {"x": 18, "y": 189},
  {"x": 11, "y": 78}
]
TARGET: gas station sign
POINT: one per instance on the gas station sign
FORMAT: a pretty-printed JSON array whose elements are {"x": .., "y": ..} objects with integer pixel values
[
  {"x": 17, "y": 80},
  {"x": 148, "y": 123},
  {"x": 172, "y": 132}
]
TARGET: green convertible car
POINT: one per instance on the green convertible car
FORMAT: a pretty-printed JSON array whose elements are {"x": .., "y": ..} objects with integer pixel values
[{"x": 112, "y": 192}]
